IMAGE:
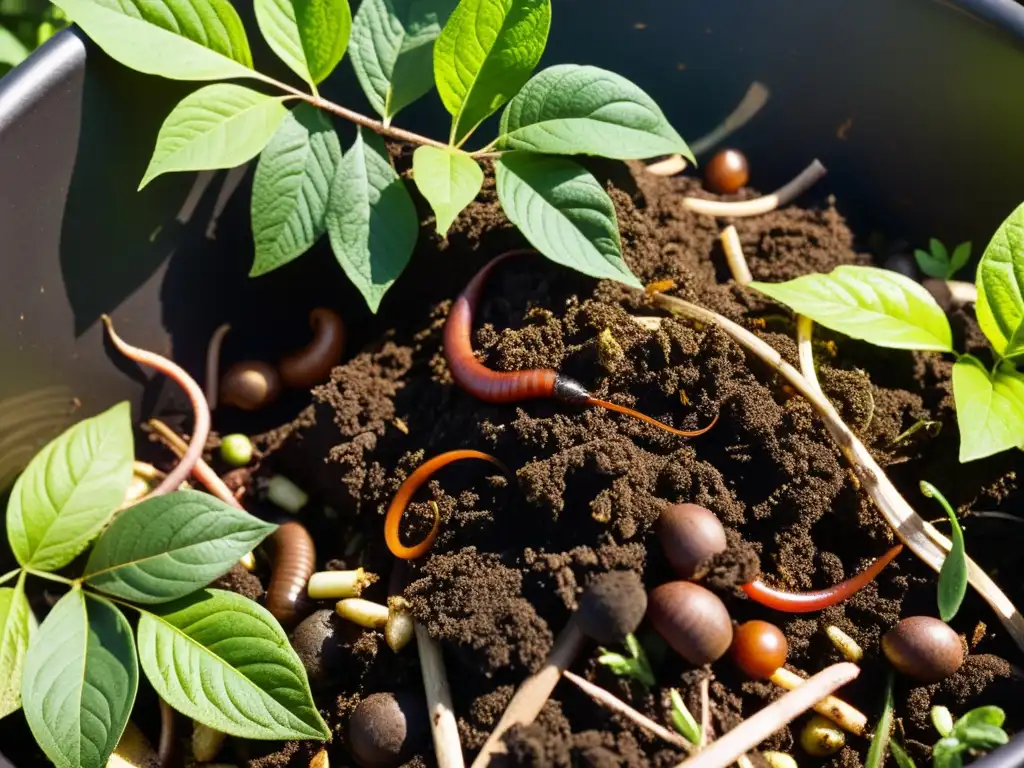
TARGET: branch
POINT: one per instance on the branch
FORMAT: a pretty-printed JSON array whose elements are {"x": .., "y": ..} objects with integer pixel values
[
  {"x": 447, "y": 747},
  {"x": 734, "y": 255},
  {"x": 920, "y": 537}
]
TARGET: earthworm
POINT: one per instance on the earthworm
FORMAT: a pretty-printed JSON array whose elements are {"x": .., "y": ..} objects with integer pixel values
[
  {"x": 202, "y": 471},
  {"x": 805, "y": 602},
  {"x": 501, "y": 387},
  {"x": 312, "y": 364},
  {"x": 213, "y": 364},
  {"x": 294, "y": 563},
  {"x": 405, "y": 493},
  {"x": 200, "y": 431}
]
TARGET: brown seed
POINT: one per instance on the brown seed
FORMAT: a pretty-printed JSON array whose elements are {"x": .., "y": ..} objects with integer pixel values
[
  {"x": 692, "y": 620},
  {"x": 726, "y": 172},
  {"x": 923, "y": 648},
  {"x": 386, "y": 729},
  {"x": 690, "y": 535},
  {"x": 612, "y": 607},
  {"x": 320, "y": 641},
  {"x": 759, "y": 648},
  {"x": 250, "y": 385}
]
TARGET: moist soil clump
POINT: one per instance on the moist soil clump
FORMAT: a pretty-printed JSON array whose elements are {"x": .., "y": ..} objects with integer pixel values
[{"x": 515, "y": 552}]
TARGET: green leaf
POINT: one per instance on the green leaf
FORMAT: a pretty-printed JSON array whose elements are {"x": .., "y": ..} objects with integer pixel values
[
  {"x": 179, "y": 39},
  {"x": 17, "y": 627},
  {"x": 371, "y": 219},
  {"x": 218, "y": 126},
  {"x": 988, "y": 715},
  {"x": 485, "y": 54},
  {"x": 961, "y": 255},
  {"x": 310, "y": 36},
  {"x": 946, "y": 754},
  {"x": 883, "y": 731},
  {"x": 574, "y": 110},
  {"x": 1000, "y": 280},
  {"x": 564, "y": 212},
  {"x": 989, "y": 408},
  {"x": 983, "y": 737},
  {"x": 81, "y": 676},
  {"x": 930, "y": 265},
  {"x": 875, "y": 305},
  {"x": 449, "y": 180},
  {"x": 12, "y": 50},
  {"x": 899, "y": 754},
  {"x": 70, "y": 490},
  {"x": 681, "y": 718},
  {"x": 393, "y": 49},
  {"x": 942, "y": 720},
  {"x": 953, "y": 574},
  {"x": 170, "y": 546},
  {"x": 938, "y": 250},
  {"x": 224, "y": 661},
  {"x": 291, "y": 187}
]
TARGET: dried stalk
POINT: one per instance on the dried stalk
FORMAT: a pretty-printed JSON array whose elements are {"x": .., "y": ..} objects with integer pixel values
[
  {"x": 606, "y": 699},
  {"x": 213, "y": 364},
  {"x": 779, "y": 713},
  {"x": 705, "y": 711},
  {"x": 734, "y": 255},
  {"x": 447, "y": 746},
  {"x": 919, "y": 536},
  {"x": 759, "y": 205}
]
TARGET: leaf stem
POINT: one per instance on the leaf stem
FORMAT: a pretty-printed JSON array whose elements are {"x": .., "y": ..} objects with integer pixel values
[
  {"x": 9, "y": 575},
  {"x": 52, "y": 577},
  {"x": 352, "y": 116}
]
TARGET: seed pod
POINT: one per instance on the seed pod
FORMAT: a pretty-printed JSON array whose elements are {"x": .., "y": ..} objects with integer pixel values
[
  {"x": 779, "y": 760},
  {"x": 400, "y": 627},
  {"x": 923, "y": 648},
  {"x": 690, "y": 535},
  {"x": 692, "y": 620},
  {"x": 334, "y": 585},
  {"x": 365, "y": 613},
  {"x": 821, "y": 737},
  {"x": 386, "y": 729},
  {"x": 846, "y": 644},
  {"x": 250, "y": 385}
]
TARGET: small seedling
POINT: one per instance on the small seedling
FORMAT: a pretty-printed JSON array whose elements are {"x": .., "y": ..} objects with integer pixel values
[
  {"x": 76, "y": 674},
  {"x": 635, "y": 665},
  {"x": 953, "y": 575},
  {"x": 880, "y": 742},
  {"x": 977, "y": 732},
  {"x": 937, "y": 262},
  {"x": 890, "y": 310},
  {"x": 480, "y": 55},
  {"x": 682, "y": 720}
]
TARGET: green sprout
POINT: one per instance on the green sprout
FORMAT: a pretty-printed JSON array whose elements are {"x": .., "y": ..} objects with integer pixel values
[
  {"x": 937, "y": 262},
  {"x": 635, "y": 665},
  {"x": 979, "y": 731},
  {"x": 953, "y": 575},
  {"x": 682, "y": 720}
]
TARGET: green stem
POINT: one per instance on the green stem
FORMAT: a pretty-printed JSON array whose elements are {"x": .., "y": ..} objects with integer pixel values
[
  {"x": 51, "y": 577},
  {"x": 9, "y": 575},
  {"x": 352, "y": 116}
]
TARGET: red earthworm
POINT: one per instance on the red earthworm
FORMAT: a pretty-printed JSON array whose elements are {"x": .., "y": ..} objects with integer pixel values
[
  {"x": 312, "y": 364},
  {"x": 213, "y": 364},
  {"x": 405, "y": 493},
  {"x": 202, "y": 471},
  {"x": 294, "y": 563},
  {"x": 805, "y": 602},
  {"x": 200, "y": 431},
  {"x": 510, "y": 387}
]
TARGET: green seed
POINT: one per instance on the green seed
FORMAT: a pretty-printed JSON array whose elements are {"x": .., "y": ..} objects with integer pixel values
[{"x": 236, "y": 450}]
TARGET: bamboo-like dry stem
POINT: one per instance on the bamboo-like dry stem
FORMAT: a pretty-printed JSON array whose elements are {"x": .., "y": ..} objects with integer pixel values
[
  {"x": 447, "y": 746},
  {"x": 607, "y": 700},
  {"x": 759, "y": 205},
  {"x": 752, "y": 731},
  {"x": 923, "y": 539},
  {"x": 213, "y": 364},
  {"x": 705, "y": 711},
  {"x": 734, "y": 255}
]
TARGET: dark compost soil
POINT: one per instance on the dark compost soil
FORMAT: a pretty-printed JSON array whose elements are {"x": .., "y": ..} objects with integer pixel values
[{"x": 514, "y": 553}]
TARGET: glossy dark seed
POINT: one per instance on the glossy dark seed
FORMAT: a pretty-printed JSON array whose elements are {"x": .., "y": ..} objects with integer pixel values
[
  {"x": 923, "y": 648},
  {"x": 727, "y": 172},
  {"x": 690, "y": 536},
  {"x": 692, "y": 620},
  {"x": 759, "y": 648}
]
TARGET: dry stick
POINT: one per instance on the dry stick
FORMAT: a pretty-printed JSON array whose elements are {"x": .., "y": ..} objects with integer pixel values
[
  {"x": 805, "y": 349},
  {"x": 705, "y": 710},
  {"x": 529, "y": 699},
  {"x": 213, "y": 364},
  {"x": 920, "y": 537},
  {"x": 753, "y": 101},
  {"x": 606, "y": 699},
  {"x": 202, "y": 411},
  {"x": 782, "y": 711},
  {"x": 836, "y": 710},
  {"x": 202, "y": 471},
  {"x": 734, "y": 255},
  {"x": 447, "y": 747},
  {"x": 759, "y": 205}
]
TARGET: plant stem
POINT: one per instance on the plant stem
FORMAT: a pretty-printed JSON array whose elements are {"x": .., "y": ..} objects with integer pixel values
[
  {"x": 51, "y": 577},
  {"x": 9, "y": 575}
]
